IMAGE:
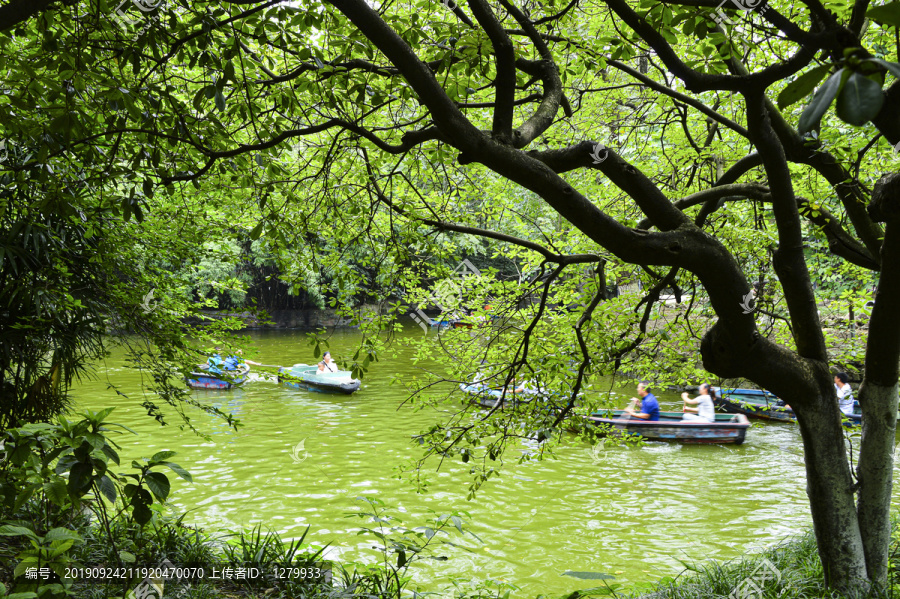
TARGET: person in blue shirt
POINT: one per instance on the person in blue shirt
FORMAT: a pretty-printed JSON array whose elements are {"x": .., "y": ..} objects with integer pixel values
[
  {"x": 217, "y": 363},
  {"x": 649, "y": 405}
]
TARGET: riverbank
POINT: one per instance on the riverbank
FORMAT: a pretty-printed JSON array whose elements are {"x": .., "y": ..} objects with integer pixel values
[{"x": 789, "y": 570}]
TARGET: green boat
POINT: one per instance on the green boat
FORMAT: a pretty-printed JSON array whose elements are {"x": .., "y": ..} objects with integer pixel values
[{"x": 305, "y": 376}]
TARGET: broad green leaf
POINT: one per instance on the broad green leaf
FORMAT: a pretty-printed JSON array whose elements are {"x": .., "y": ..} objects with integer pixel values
[
  {"x": 60, "y": 547},
  {"x": 28, "y": 562},
  {"x": 179, "y": 471},
  {"x": 802, "y": 86},
  {"x": 256, "y": 232},
  {"x": 820, "y": 102},
  {"x": 220, "y": 100},
  {"x": 142, "y": 514},
  {"x": 158, "y": 483},
  {"x": 887, "y": 14},
  {"x": 860, "y": 100},
  {"x": 161, "y": 456},
  {"x": 62, "y": 534},
  {"x": 96, "y": 440},
  {"x": 8, "y": 530},
  {"x": 80, "y": 478},
  {"x": 892, "y": 67},
  {"x": 56, "y": 492},
  {"x": 107, "y": 488}
]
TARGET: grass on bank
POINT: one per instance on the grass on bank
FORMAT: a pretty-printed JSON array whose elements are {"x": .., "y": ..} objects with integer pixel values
[{"x": 790, "y": 570}]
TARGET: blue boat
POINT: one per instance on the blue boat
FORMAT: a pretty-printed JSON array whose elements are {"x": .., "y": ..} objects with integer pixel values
[
  {"x": 223, "y": 379},
  {"x": 759, "y": 403},
  {"x": 728, "y": 428},
  {"x": 307, "y": 377}
]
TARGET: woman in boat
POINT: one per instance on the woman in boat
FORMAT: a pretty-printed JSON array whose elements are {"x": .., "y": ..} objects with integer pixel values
[
  {"x": 844, "y": 392},
  {"x": 704, "y": 411},
  {"x": 327, "y": 364}
]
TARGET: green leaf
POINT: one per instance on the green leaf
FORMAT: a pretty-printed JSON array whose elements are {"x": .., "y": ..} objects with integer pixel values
[
  {"x": 142, "y": 514},
  {"x": 96, "y": 440},
  {"x": 158, "y": 483},
  {"x": 107, "y": 488},
  {"x": 59, "y": 548},
  {"x": 179, "y": 471},
  {"x": 110, "y": 453},
  {"x": 80, "y": 478},
  {"x": 62, "y": 534},
  {"x": 127, "y": 557},
  {"x": 161, "y": 456},
  {"x": 256, "y": 232},
  {"x": 860, "y": 100},
  {"x": 56, "y": 492},
  {"x": 892, "y": 67},
  {"x": 98, "y": 417},
  {"x": 802, "y": 86},
  {"x": 8, "y": 530},
  {"x": 457, "y": 522},
  {"x": 820, "y": 102},
  {"x": 220, "y": 100},
  {"x": 887, "y": 14}
]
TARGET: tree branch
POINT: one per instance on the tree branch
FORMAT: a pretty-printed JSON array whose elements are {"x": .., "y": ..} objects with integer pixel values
[
  {"x": 505, "y": 60},
  {"x": 696, "y": 81},
  {"x": 789, "y": 260}
]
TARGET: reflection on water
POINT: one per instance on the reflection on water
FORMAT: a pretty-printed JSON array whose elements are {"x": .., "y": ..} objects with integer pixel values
[{"x": 635, "y": 513}]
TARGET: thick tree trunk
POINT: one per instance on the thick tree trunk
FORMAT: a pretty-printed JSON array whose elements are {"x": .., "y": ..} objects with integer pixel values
[
  {"x": 830, "y": 488},
  {"x": 878, "y": 394},
  {"x": 875, "y": 474}
]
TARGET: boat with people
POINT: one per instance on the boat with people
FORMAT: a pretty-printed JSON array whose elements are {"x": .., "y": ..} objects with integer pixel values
[
  {"x": 759, "y": 403},
  {"x": 310, "y": 378},
  {"x": 488, "y": 397},
  {"x": 755, "y": 403},
  {"x": 727, "y": 428},
  {"x": 210, "y": 376}
]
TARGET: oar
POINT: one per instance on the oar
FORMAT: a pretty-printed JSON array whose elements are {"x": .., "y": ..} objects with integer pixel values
[{"x": 627, "y": 417}]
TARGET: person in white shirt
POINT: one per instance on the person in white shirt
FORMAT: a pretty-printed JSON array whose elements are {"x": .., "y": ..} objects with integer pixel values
[
  {"x": 844, "y": 392},
  {"x": 705, "y": 410},
  {"x": 327, "y": 364}
]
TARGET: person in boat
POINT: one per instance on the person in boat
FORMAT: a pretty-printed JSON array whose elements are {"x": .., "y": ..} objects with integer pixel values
[
  {"x": 518, "y": 387},
  {"x": 327, "y": 364},
  {"x": 844, "y": 392},
  {"x": 240, "y": 359},
  {"x": 704, "y": 410},
  {"x": 217, "y": 363},
  {"x": 649, "y": 404}
]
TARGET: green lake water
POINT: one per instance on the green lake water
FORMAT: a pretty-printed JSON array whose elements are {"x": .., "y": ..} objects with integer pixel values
[{"x": 634, "y": 513}]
